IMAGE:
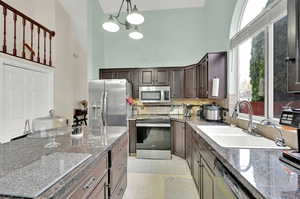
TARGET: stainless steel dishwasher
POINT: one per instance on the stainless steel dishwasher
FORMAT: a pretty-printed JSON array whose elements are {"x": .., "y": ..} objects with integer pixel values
[
  {"x": 226, "y": 186},
  {"x": 154, "y": 138}
]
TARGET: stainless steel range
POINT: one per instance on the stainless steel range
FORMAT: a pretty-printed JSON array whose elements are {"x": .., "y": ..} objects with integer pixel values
[{"x": 153, "y": 137}]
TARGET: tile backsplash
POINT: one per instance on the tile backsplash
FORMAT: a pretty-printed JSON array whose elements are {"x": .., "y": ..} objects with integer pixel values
[{"x": 175, "y": 107}]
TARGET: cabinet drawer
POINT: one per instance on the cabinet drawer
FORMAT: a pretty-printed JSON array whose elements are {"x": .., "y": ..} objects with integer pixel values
[
  {"x": 94, "y": 174},
  {"x": 101, "y": 190},
  {"x": 119, "y": 192}
]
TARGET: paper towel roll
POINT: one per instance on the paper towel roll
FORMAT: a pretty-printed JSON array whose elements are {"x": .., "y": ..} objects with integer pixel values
[{"x": 215, "y": 87}]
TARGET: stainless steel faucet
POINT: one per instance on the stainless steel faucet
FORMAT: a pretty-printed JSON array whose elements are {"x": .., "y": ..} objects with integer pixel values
[
  {"x": 279, "y": 141},
  {"x": 27, "y": 129},
  {"x": 235, "y": 115}
]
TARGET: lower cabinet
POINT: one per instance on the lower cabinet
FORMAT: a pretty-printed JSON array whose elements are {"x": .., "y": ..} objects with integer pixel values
[
  {"x": 118, "y": 169},
  {"x": 101, "y": 190},
  {"x": 188, "y": 144},
  {"x": 196, "y": 164},
  {"x": 178, "y": 135},
  {"x": 207, "y": 181}
]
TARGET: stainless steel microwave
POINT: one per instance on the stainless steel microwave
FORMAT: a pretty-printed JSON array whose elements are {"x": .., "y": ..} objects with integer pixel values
[{"x": 155, "y": 94}]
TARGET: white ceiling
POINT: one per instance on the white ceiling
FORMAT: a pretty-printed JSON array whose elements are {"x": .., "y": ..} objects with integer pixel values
[{"x": 112, "y": 6}]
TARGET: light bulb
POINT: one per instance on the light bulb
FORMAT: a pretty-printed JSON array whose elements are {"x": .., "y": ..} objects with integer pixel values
[
  {"x": 136, "y": 34},
  {"x": 111, "y": 25},
  {"x": 135, "y": 17}
]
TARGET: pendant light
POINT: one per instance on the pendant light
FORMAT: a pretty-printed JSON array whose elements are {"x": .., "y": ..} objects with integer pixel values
[
  {"x": 111, "y": 25},
  {"x": 135, "y": 17},
  {"x": 136, "y": 34}
]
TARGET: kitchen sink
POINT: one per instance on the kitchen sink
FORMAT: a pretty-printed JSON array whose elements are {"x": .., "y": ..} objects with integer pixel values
[{"x": 233, "y": 137}]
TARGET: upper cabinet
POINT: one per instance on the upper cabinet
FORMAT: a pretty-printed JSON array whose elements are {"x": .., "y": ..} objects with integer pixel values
[
  {"x": 190, "y": 81},
  {"x": 213, "y": 66},
  {"x": 292, "y": 59},
  {"x": 154, "y": 77},
  {"x": 177, "y": 82},
  {"x": 194, "y": 81}
]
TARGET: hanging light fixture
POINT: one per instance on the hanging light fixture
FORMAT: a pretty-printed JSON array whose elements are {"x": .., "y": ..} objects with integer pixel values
[
  {"x": 136, "y": 34},
  {"x": 133, "y": 19},
  {"x": 111, "y": 25}
]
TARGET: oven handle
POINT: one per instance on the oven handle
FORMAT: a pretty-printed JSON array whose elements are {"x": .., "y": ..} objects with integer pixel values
[{"x": 166, "y": 125}]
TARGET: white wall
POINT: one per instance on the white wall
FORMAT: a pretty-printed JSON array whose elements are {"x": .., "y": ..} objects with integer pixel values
[{"x": 69, "y": 21}]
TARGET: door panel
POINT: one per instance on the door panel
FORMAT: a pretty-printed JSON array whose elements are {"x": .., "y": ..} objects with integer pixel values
[
  {"x": 179, "y": 139},
  {"x": 190, "y": 76},
  {"x": 177, "y": 83},
  {"x": 162, "y": 77},
  {"x": 147, "y": 77}
]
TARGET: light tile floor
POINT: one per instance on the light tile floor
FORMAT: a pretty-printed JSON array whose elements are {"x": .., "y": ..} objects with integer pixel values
[{"x": 159, "y": 179}]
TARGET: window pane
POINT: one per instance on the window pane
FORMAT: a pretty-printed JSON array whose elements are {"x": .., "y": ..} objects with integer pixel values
[
  {"x": 252, "y": 9},
  {"x": 252, "y": 73},
  {"x": 281, "y": 96}
]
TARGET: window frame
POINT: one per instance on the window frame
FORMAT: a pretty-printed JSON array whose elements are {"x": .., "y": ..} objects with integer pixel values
[{"x": 268, "y": 29}]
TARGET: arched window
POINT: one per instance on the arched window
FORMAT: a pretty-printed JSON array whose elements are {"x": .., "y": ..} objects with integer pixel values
[{"x": 259, "y": 46}]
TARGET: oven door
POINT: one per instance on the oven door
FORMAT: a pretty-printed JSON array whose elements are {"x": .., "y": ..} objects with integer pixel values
[{"x": 153, "y": 141}]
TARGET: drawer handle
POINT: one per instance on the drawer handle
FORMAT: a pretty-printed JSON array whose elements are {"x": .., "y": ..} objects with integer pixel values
[{"x": 90, "y": 183}]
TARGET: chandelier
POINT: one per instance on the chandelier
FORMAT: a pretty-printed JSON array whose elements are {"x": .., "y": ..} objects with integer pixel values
[{"x": 133, "y": 19}]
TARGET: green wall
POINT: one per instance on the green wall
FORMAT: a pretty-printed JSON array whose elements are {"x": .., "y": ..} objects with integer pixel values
[
  {"x": 171, "y": 37},
  {"x": 96, "y": 38}
]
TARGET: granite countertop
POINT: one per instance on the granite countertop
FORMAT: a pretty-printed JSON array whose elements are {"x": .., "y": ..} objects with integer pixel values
[
  {"x": 27, "y": 163},
  {"x": 259, "y": 170}
]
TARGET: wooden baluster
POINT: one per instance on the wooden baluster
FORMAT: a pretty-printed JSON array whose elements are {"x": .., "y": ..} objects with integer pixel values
[
  {"x": 45, "y": 35},
  {"x": 24, "y": 27},
  {"x": 4, "y": 29},
  {"x": 15, "y": 35},
  {"x": 31, "y": 44},
  {"x": 50, "y": 49},
  {"x": 38, "y": 56}
]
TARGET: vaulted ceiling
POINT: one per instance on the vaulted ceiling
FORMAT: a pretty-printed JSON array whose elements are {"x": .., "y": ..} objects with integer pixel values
[{"x": 111, "y": 6}]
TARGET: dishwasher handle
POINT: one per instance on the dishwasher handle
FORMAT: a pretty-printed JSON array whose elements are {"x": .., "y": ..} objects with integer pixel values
[{"x": 239, "y": 191}]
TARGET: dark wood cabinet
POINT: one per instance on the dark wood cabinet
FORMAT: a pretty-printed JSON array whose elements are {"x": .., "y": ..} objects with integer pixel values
[
  {"x": 162, "y": 77},
  {"x": 188, "y": 145},
  {"x": 154, "y": 77},
  {"x": 147, "y": 77},
  {"x": 194, "y": 81},
  {"x": 207, "y": 181},
  {"x": 135, "y": 80},
  {"x": 293, "y": 58},
  {"x": 196, "y": 163},
  {"x": 132, "y": 136},
  {"x": 178, "y": 135},
  {"x": 177, "y": 82},
  {"x": 101, "y": 190},
  {"x": 190, "y": 81},
  {"x": 212, "y": 65}
]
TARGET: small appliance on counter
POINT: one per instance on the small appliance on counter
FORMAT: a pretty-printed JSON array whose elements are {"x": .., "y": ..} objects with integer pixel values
[
  {"x": 211, "y": 112},
  {"x": 291, "y": 117},
  {"x": 187, "y": 110}
]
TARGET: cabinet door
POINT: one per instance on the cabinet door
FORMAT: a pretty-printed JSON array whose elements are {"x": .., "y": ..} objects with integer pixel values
[
  {"x": 147, "y": 77},
  {"x": 135, "y": 83},
  {"x": 207, "y": 181},
  {"x": 204, "y": 79},
  {"x": 132, "y": 136},
  {"x": 177, "y": 83},
  {"x": 123, "y": 74},
  {"x": 293, "y": 46},
  {"x": 162, "y": 77},
  {"x": 196, "y": 163},
  {"x": 190, "y": 78},
  {"x": 179, "y": 139},
  {"x": 188, "y": 144},
  {"x": 107, "y": 74},
  {"x": 101, "y": 190}
]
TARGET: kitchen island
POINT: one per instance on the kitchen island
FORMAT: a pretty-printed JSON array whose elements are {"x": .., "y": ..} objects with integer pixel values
[
  {"x": 258, "y": 171},
  {"x": 93, "y": 166}
]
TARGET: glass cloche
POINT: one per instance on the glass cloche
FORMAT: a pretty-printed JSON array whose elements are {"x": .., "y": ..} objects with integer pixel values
[{"x": 49, "y": 127}]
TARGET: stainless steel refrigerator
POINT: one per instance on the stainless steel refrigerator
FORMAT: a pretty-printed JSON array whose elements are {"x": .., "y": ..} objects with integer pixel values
[{"x": 108, "y": 102}]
